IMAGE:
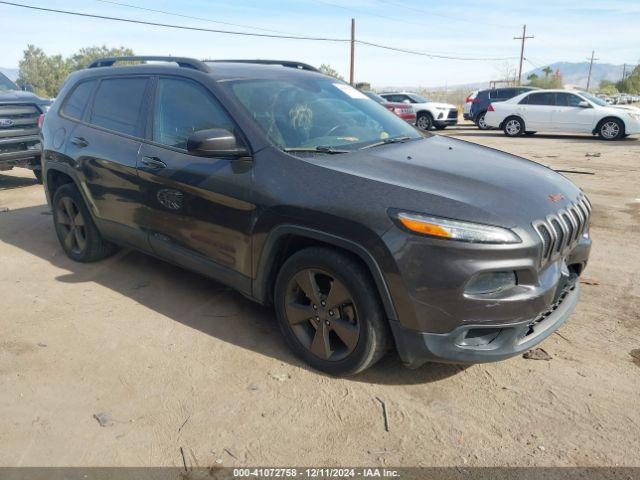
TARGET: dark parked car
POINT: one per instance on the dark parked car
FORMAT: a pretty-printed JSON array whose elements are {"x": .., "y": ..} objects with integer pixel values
[
  {"x": 291, "y": 187},
  {"x": 480, "y": 103},
  {"x": 403, "y": 110},
  {"x": 20, "y": 115}
]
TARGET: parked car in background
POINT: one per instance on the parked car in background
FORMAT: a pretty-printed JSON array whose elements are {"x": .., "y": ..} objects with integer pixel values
[
  {"x": 20, "y": 119},
  {"x": 466, "y": 114},
  {"x": 295, "y": 189},
  {"x": 563, "y": 111},
  {"x": 480, "y": 103},
  {"x": 428, "y": 114},
  {"x": 403, "y": 110}
]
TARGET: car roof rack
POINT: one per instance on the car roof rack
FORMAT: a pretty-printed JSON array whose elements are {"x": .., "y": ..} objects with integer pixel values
[
  {"x": 284, "y": 63},
  {"x": 181, "y": 61}
]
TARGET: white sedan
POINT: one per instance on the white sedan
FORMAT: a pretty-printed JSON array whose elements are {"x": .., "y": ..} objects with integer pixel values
[{"x": 563, "y": 111}]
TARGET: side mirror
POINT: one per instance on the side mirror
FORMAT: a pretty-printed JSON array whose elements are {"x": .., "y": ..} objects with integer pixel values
[
  {"x": 215, "y": 142},
  {"x": 584, "y": 104}
]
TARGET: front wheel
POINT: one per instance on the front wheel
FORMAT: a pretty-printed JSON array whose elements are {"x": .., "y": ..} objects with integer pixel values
[
  {"x": 513, "y": 127},
  {"x": 611, "y": 129},
  {"x": 424, "y": 122},
  {"x": 329, "y": 311}
]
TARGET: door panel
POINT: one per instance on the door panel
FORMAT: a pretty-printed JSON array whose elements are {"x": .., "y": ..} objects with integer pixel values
[
  {"x": 194, "y": 207},
  {"x": 537, "y": 111},
  {"x": 107, "y": 158},
  {"x": 569, "y": 117}
]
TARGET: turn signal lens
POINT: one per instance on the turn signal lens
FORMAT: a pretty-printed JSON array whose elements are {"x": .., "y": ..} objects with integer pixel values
[{"x": 456, "y": 229}]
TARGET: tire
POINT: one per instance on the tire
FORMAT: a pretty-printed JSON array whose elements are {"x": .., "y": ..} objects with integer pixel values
[
  {"x": 38, "y": 174},
  {"x": 480, "y": 122},
  {"x": 424, "y": 122},
  {"x": 341, "y": 339},
  {"x": 611, "y": 129},
  {"x": 513, "y": 127},
  {"x": 77, "y": 234}
]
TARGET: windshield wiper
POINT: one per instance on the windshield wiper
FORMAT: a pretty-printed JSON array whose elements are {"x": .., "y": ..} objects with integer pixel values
[
  {"x": 387, "y": 141},
  {"x": 319, "y": 149}
]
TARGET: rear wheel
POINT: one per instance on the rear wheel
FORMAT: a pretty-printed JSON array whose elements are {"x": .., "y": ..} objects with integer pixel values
[
  {"x": 425, "y": 121},
  {"x": 329, "y": 312},
  {"x": 481, "y": 122},
  {"x": 78, "y": 235},
  {"x": 611, "y": 129},
  {"x": 513, "y": 127}
]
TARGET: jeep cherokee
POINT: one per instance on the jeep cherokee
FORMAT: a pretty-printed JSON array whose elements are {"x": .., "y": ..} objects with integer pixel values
[{"x": 299, "y": 191}]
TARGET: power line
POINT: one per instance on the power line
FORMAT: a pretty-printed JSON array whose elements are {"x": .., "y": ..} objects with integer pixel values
[
  {"x": 179, "y": 27},
  {"x": 253, "y": 34},
  {"x": 176, "y": 14},
  {"x": 433, "y": 55}
]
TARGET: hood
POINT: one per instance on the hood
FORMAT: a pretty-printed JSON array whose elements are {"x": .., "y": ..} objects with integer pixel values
[
  {"x": 457, "y": 179},
  {"x": 19, "y": 96},
  {"x": 627, "y": 108}
]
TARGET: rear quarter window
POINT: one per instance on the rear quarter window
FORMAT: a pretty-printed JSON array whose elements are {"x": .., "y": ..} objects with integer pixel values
[
  {"x": 118, "y": 105},
  {"x": 76, "y": 102}
]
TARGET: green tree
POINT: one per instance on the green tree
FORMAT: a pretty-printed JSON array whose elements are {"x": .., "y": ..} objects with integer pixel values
[
  {"x": 631, "y": 84},
  {"x": 532, "y": 77},
  {"x": 608, "y": 87},
  {"x": 46, "y": 73},
  {"x": 547, "y": 71},
  {"x": 329, "y": 70}
]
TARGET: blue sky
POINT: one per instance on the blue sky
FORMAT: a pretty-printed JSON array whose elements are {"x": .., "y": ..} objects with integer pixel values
[{"x": 564, "y": 30}]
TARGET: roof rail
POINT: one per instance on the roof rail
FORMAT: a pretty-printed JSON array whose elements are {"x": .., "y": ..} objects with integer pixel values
[
  {"x": 284, "y": 63},
  {"x": 181, "y": 61}
]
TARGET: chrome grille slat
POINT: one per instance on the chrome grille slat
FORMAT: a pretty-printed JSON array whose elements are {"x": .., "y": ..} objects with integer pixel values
[{"x": 560, "y": 232}]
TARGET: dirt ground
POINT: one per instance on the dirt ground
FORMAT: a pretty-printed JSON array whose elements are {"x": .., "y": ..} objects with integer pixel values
[{"x": 175, "y": 360}]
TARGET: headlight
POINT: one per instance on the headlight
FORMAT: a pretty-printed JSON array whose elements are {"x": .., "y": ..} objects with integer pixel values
[{"x": 456, "y": 229}]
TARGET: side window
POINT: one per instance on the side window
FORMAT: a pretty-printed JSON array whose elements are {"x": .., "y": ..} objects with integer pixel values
[
  {"x": 76, "y": 102},
  {"x": 118, "y": 105},
  {"x": 542, "y": 98},
  {"x": 183, "y": 107},
  {"x": 567, "y": 100},
  {"x": 493, "y": 94}
]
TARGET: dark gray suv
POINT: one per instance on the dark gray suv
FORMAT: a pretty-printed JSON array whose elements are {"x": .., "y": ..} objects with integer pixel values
[{"x": 299, "y": 191}]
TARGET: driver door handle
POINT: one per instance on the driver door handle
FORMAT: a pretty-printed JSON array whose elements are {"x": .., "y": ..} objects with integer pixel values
[
  {"x": 153, "y": 162},
  {"x": 79, "y": 142}
]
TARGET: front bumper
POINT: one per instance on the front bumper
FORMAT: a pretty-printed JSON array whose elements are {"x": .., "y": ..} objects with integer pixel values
[{"x": 486, "y": 342}]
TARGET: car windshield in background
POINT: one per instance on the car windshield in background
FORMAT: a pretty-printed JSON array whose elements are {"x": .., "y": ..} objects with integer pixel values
[
  {"x": 418, "y": 98},
  {"x": 594, "y": 99},
  {"x": 375, "y": 97},
  {"x": 318, "y": 114},
  {"x": 6, "y": 84}
]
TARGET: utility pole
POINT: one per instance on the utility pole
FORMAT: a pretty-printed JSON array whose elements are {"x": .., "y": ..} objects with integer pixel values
[
  {"x": 624, "y": 71},
  {"x": 523, "y": 38},
  {"x": 353, "y": 48},
  {"x": 590, "y": 68}
]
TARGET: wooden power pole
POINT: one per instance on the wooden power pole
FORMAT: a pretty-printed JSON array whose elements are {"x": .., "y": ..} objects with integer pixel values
[
  {"x": 523, "y": 38},
  {"x": 353, "y": 49},
  {"x": 590, "y": 68}
]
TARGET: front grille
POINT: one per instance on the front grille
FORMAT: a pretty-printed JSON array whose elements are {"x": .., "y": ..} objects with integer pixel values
[
  {"x": 561, "y": 231},
  {"x": 453, "y": 113},
  {"x": 18, "y": 120}
]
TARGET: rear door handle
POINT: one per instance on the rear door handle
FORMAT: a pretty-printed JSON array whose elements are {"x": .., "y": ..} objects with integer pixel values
[
  {"x": 79, "y": 142},
  {"x": 153, "y": 162}
]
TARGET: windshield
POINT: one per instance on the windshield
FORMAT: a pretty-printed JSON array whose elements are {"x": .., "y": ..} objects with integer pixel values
[
  {"x": 594, "y": 99},
  {"x": 6, "y": 84},
  {"x": 418, "y": 98},
  {"x": 307, "y": 113},
  {"x": 375, "y": 97}
]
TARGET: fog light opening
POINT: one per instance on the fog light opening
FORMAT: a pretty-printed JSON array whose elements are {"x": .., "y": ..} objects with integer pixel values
[
  {"x": 491, "y": 282},
  {"x": 477, "y": 337}
]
